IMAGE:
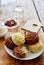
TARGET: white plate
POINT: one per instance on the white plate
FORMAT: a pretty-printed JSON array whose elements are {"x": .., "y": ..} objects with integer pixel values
[
  {"x": 30, "y": 56},
  {"x": 3, "y": 24}
]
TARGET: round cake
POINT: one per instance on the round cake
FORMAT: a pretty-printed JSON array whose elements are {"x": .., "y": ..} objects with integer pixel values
[
  {"x": 20, "y": 52},
  {"x": 9, "y": 43},
  {"x": 35, "y": 47},
  {"x": 31, "y": 38},
  {"x": 18, "y": 38}
]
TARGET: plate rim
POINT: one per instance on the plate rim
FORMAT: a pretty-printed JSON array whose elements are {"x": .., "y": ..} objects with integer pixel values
[{"x": 21, "y": 58}]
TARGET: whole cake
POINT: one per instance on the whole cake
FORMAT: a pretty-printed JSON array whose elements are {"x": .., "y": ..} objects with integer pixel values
[
  {"x": 31, "y": 38},
  {"x": 35, "y": 47},
  {"x": 9, "y": 43},
  {"x": 33, "y": 42},
  {"x": 20, "y": 52},
  {"x": 18, "y": 38}
]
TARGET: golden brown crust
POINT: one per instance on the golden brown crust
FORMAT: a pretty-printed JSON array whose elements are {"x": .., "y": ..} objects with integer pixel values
[
  {"x": 20, "y": 52},
  {"x": 32, "y": 38},
  {"x": 9, "y": 43}
]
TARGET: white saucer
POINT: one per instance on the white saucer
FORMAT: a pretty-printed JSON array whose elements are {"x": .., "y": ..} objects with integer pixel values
[
  {"x": 3, "y": 24},
  {"x": 30, "y": 56}
]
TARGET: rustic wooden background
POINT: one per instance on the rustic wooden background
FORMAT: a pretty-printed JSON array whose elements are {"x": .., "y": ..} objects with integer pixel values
[{"x": 30, "y": 14}]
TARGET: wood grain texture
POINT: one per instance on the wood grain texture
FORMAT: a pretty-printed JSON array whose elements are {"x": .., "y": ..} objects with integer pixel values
[
  {"x": 28, "y": 8},
  {"x": 5, "y": 59},
  {"x": 40, "y": 8}
]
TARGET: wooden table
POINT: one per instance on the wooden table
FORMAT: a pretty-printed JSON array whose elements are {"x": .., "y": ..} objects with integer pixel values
[
  {"x": 40, "y": 9},
  {"x": 5, "y": 59}
]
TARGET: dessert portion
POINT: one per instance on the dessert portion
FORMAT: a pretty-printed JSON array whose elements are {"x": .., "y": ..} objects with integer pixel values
[
  {"x": 9, "y": 43},
  {"x": 21, "y": 44},
  {"x": 33, "y": 42},
  {"x": 32, "y": 38},
  {"x": 10, "y": 23},
  {"x": 20, "y": 52},
  {"x": 35, "y": 47},
  {"x": 18, "y": 38}
]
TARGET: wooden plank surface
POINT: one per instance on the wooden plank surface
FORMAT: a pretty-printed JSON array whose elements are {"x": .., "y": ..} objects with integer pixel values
[
  {"x": 28, "y": 8},
  {"x": 5, "y": 59},
  {"x": 40, "y": 8}
]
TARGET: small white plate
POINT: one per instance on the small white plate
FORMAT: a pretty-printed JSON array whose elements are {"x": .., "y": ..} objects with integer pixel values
[
  {"x": 30, "y": 56},
  {"x": 3, "y": 24}
]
